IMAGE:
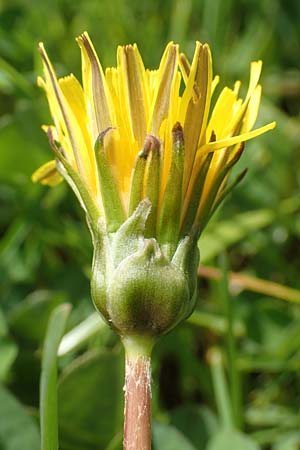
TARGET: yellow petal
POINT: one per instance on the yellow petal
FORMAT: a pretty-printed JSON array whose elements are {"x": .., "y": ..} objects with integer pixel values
[
  {"x": 65, "y": 121},
  {"x": 237, "y": 86},
  {"x": 133, "y": 90},
  {"x": 166, "y": 131},
  {"x": 74, "y": 96},
  {"x": 47, "y": 174},
  {"x": 252, "y": 110},
  {"x": 222, "y": 114},
  {"x": 125, "y": 147},
  {"x": 255, "y": 71},
  {"x": 196, "y": 103},
  {"x": 99, "y": 104},
  {"x": 191, "y": 89},
  {"x": 215, "y": 83},
  {"x": 222, "y": 143},
  {"x": 185, "y": 67},
  {"x": 235, "y": 124},
  {"x": 165, "y": 77}
]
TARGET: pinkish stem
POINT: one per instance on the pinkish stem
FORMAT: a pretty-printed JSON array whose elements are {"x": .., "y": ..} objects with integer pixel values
[{"x": 137, "y": 412}]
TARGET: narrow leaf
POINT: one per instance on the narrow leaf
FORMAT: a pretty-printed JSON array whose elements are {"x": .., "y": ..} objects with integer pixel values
[
  {"x": 48, "y": 386},
  {"x": 220, "y": 387}
]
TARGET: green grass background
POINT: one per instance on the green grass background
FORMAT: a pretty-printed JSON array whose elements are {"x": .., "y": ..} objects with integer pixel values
[{"x": 45, "y": 249}]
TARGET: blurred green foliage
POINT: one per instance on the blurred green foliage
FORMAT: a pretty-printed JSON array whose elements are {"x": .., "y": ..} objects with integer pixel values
[{"x": 45, "y": 250}]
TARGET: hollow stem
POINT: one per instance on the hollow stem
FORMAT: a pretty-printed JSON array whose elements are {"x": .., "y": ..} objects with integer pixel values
[{"x": 137, "y": 389}]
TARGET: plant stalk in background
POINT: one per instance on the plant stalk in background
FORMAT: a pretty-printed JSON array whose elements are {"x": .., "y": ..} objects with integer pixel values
[{"x": 148, "y": 157}]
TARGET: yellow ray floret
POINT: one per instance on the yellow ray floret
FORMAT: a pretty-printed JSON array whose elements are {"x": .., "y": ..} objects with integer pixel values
[
  {"x": 47, "y": 174},
  {"x": 114, "y": 112}
]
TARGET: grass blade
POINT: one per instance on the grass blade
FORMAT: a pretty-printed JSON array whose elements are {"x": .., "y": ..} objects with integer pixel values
[
  {"x": 220, "y": 387},
  {"x": 234, "y": 376},
  {"x": 48, "y": 391},
  {"x": 80, "y": 334}
]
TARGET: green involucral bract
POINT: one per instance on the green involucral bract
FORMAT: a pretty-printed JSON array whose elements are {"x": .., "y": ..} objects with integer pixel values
[{"x": 135, "y": 287}]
